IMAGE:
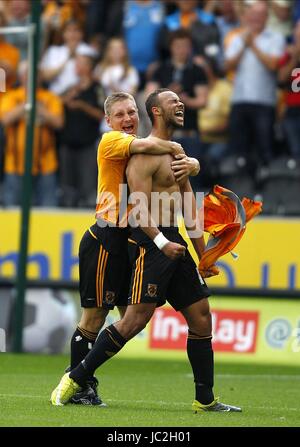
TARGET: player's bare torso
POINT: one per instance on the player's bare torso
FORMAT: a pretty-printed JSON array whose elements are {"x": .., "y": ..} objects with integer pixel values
[{"x": 165, "y": 199}]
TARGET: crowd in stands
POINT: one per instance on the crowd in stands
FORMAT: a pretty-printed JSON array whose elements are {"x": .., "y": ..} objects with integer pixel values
[{"x": 235, "y": 64}]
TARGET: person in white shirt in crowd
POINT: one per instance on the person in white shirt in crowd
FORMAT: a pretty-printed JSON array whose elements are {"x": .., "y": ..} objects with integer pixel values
[
  {"x": 58, "y": 63},
  {"x": 115, "y": 72},
  {"x": 255, "y": 55}
]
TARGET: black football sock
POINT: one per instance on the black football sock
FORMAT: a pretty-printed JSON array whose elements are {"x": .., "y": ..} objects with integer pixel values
[
  {"x": 108, "y": 343},
  {"x": 201, "y": 357},
  {"x": 81, "y": 344}
]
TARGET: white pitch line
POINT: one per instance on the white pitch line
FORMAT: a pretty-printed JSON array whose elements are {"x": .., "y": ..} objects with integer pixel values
[
  {"x": 252, "y": 376},
  {"x": 154, "y": 402},
  {"x": 30, "y": 396}
]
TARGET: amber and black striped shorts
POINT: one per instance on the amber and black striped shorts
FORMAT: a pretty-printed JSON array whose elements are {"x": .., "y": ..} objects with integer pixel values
[
  {"x": 104, "y": 267},
  {"x": 156, "y": 277}
]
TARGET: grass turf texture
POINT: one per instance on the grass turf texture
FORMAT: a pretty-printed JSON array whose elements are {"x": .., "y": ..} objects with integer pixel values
[{"x": 155, "y": 393}]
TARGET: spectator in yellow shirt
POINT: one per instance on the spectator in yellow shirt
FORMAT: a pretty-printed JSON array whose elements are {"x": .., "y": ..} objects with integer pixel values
[
  {"x": 49, "y": 117},
  {"x": 213, "y": 118},
  {"x": 9, "y": 59}
]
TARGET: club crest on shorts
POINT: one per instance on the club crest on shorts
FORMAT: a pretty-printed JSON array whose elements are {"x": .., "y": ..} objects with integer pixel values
[
  {"x": 110, "y": 297},
  {"x": 152, "y": 290}
]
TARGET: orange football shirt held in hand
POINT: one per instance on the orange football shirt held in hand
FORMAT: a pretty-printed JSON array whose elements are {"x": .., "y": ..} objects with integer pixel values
[{"x": 225, "y": 219}]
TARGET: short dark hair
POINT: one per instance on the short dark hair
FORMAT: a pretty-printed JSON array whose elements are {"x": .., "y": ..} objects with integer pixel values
[
  {"x": 153, "y": 101},
  {"x": 181, "y": 33}
]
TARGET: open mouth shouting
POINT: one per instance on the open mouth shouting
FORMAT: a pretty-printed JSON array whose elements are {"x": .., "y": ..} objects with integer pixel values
[
  {"x": 179, "y": 115},
  {"x": 129, "y": 128}
]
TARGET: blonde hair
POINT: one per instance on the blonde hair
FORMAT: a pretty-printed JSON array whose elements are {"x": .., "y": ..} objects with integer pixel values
[
  {"x": 125, "y": 60},
  {"x": 115, "y": 97}
]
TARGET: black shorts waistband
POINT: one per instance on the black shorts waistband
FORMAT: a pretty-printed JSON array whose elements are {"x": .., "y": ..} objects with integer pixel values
[
  {"x": 171, "y": 233},
  {"x": 113, "y": 239},
  {"x": 108, "y": 229}
]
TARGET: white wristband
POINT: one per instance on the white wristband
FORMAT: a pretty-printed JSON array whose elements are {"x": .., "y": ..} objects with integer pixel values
[{"x": 160, "y": 241}]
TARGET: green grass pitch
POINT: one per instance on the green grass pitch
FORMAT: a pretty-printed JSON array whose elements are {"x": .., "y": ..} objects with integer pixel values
[{"x": 149, "y": 393}]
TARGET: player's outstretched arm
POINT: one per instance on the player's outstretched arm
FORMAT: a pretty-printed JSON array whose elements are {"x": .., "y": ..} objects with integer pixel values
[{"x": 155, "y": 146}]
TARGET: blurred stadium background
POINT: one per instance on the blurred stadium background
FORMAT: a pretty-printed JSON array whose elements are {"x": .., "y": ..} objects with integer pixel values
[{"x": 243, "y": 126}]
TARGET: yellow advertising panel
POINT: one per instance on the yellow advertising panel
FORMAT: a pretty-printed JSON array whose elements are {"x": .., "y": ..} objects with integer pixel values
[
  {"x": 268, "y": 257},
  {"x": 53, "y": 243},
  {"x": 244, "y": 330},
  {"x": 268, "y": 252}
]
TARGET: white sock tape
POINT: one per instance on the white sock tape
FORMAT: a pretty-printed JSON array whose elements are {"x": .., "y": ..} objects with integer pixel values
[{"x": 160, "y": 241}]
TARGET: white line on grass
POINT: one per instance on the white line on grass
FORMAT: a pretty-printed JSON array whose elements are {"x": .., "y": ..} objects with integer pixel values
[
  {"x": 252, "y": 376},
  {"x": 149, "y": 402}
]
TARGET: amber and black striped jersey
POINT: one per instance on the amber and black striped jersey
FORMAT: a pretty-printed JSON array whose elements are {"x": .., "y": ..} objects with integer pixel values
[
  {"x": 112, "y": 159},
  {"x": 104, "y": 267}
]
